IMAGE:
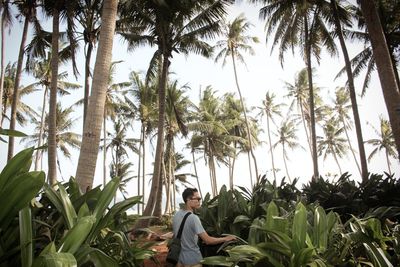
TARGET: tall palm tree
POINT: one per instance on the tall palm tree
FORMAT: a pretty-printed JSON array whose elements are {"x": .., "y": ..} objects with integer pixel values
[
  {"x": 385, "y": 142},
  {"x": 27, "y": 9},
  {"x": 342, "y": 17},
  {"x": 176, "y": 118},
  {"x": 65, "y": 138},
  {"x": 6, "y": 22},
  {"x": 384, "y": 65},
  {"x": 287, "y": 138},
  {"x": 299, "y": 23},
  {"x": 271, "y": 109},
  {"x": 235, "y": 42},
  {"x": 332, "y": 143},
  {"x": 24, "y": 112},
  {"x": 91, "y": 137},
  {"x": 341, "y": 107},
  {"x": 144, "y": 107},
  {"x": 171, "y": 26}
]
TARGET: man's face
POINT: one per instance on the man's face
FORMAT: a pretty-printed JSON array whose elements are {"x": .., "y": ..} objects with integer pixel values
[{"x": 195, "y": 201}]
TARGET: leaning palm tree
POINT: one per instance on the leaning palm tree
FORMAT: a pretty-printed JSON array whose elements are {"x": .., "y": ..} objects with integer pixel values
[
  {"x": 385, "y": 142},
  {"x": 236, "y": 41},
  {"x": 27, "y": 9},
  {"x": 173, "y": 26},
  {"x": 299, "y": 23},
  {"x": 332, "y": 143},
  {"x": 287, "y": 138},
  {"x": 6, "y": 21},
  {"x": 271, "y": 109},
  {"x": 384, "y": 65},
  {"x": 91, "y": 137},
  {"x": 66, "y": 139}
]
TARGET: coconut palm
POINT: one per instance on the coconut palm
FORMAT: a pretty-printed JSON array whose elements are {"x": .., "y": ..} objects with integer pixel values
[
  {"x": 24, "y": 112},
  {"x": 237, "y": 41},
  {"x": 144, "y": 107},
  {"x": 65, "y": 138},
  {"x": 384, "y": 65},
  {"x": 173, "y": 26},
  {"x": 332, "y": 143},
  {"x": 271, "y": 110},
  {"x": 299, "y": 23},
  {"x": 287, "y": 138},
  {"x": 385, "y": 142},
  {"x": 6, "y": 22},
  {"x": 91, "y": 137},
  {"x": 27, "y": 9},
  {"x": 342, "y": 108}
]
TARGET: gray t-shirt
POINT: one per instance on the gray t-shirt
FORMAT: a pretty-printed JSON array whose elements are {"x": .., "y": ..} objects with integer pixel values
[{"x": 190, "y": 251}]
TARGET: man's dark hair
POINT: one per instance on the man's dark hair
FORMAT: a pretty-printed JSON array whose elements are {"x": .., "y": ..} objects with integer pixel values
[{"x": 187, "y": 193}]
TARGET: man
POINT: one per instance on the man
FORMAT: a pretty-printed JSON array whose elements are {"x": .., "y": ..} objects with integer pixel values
[{"x": 190, "y": 255}]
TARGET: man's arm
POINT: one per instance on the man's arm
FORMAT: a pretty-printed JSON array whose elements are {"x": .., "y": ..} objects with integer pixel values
[{"x": 210, "y": 240}]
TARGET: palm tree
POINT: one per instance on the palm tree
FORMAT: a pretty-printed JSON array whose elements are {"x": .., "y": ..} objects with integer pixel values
[
  {"x": 271, "y": 109},
  {"x": 340, "y": 16},
  {"x": 42, "y": 71},
  {"x": 65, "y": 138},
  {"x": 26, "y": 8},
  {"x": 287, "y": 134},
  {"x": 176, "y": 118},
  {"x": 171, "y": 26},
  {"x": 6, "y": 22},
  {"x": 341, "y": 108},
  {"x": 333, "y": 143},
  {"x": 384, "y": 65},
  {"x": 144, "y": 107},
  {"x": 24, "y": 112},
  {"x": 235, "y": 42},
  {"x": 385, "y": 141},
  {"x": 299, "y": 23},
  {"x": 91, "y": 137}
]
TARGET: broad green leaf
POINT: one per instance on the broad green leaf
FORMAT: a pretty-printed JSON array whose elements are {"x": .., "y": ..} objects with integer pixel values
[
  {"x": 20, "y": 163},
  {"x": 105, "y": 198},
  {"x": 77, "y": 235},
  {"x": 299, "y": 227},
  {"x": 25, "y": 236},
  {"x": 18, "y": 192},
  {"x": 54, "y": 259},
  {"x": 377, "y": 255},
  {"x": 217, "y": 260},
  {"x": 320, "y": 229},
  {"x": 241, "y": 218},
  {"x": 97, "y": 257},
  {"x": 68, "y": 209},
  {"x": 14, "y": 133}
]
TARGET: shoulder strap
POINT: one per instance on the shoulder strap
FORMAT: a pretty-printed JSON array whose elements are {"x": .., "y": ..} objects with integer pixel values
[{"x": 182, "y": 224}]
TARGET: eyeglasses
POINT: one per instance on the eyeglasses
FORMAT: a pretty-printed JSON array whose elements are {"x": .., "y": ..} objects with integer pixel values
[{"x": 196, "y": 198}]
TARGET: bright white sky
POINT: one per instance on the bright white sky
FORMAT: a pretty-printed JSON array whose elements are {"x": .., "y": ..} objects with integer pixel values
[{"x": 263, "y": 73}]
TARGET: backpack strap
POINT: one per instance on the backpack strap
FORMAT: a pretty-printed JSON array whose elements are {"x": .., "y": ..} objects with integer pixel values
[{"x": 182, "y": 224}]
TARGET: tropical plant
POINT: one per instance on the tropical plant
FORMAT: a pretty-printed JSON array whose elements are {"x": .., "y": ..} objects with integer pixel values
[
  {"x": 385, "y": 142},
  {"x": 236, "y": 41},
  {"x": 91, "y": 137}
]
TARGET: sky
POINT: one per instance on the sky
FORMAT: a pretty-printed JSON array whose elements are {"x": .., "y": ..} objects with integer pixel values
[{"x": 263, "y": 72}]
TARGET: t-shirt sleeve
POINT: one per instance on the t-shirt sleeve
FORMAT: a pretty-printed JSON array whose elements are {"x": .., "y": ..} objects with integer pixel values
[{"x": 198, "y": 227}]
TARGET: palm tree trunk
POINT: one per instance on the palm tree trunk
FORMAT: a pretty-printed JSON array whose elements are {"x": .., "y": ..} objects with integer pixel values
[
  {"x": 167, "y": 186},
  {"x": 251, "y": 173},
  {"x": 270, "y": 148},
  {"x": 144, "y": 171},
  {"x": 245, "y": 116},
  {"x": 41, "y": 130},
  {"x": 384, "y": 66},
  {"x": 16, "y": 89},
  {"x": 52, "y": 143},
  {"x": 306, "y": 129},
  {"x": 234, "y": 159},
  {"x": 173, "y": 186},
  {"x": 337, "y": 162},
  {"x": 160, "y": 143},
  {"x": 197, "y": 176},
  {"x": 388, "y": 162},
  {"x": 2, "y": 72},
  {"x": 139, "y": 165},
  {"x": 284, "y": 161},
  {"x": 350, "y": 145},
  {"x": 158, "y": 204},
  {"x": 92, "y": 128},
  {"x": 311, "y": 101},
  {"x": 230, "y": 173},
  {"x": 87, "y": 81},
  {"x": 104, "y": 148},
  {"x": 353, "y": 97}
]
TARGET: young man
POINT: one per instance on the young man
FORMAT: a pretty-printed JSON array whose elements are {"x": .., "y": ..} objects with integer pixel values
[{"x": 190, "y": 252}]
